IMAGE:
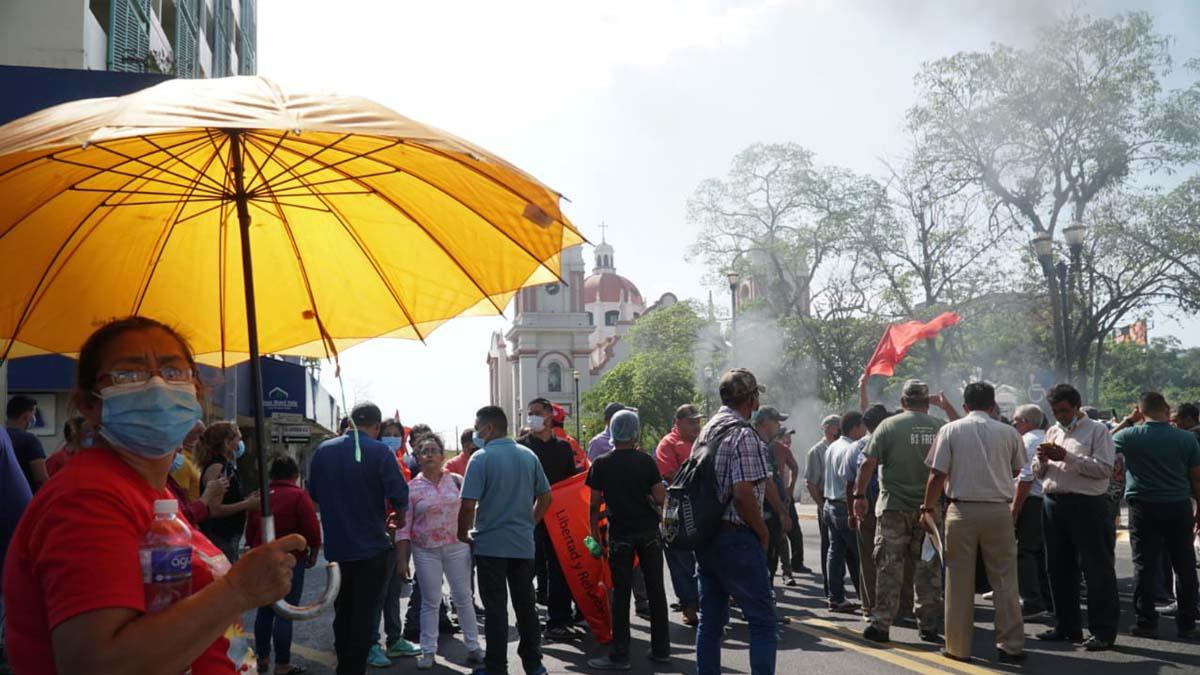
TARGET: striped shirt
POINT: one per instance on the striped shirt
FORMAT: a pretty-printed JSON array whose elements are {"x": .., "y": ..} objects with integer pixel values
[
  {"x": 980, "y": 457},
  {"x": 741, "y": 458}
]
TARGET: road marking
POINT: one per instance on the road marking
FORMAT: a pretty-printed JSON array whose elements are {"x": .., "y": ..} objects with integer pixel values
[
  {"x": 910, "y": 651},
  {"x": 309, "y": 654},
  {"x": 821, "y": 633}
]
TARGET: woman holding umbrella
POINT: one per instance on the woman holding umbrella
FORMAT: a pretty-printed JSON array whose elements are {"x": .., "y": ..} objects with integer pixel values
[{"x": 73, "y": 585}]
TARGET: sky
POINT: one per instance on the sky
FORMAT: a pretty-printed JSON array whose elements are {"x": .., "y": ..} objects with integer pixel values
[{"x": 625, "y": 106}]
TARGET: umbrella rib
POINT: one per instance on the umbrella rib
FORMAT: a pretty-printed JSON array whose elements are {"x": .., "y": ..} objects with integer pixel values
[
  {"x": 373, "y": 262},
  {"x": 276, "y": 190},
  {"x": 118, "y": 172},
  {"x": 258, "y": 171},
  {"x": 201, "y": 175},
  {"x": 222, "y": 269},
  {"x": 180, "y": 176},
  {"x": 203, "y": 211},
  {"x": 97, "y": 171},
  {"x": 328, "y": 166},
  {"x": 540, "y": 263},
  {"x": 172, "y": 221},
  {"x": 39, "y": 289},
  {"x": 303, "y": 158}
]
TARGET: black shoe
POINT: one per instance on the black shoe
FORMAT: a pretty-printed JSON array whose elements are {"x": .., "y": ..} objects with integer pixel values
[
  {"x": 932, "y": 637},
  {"x": 1095, "y": 644},
  {"x": 676, "y": 606},
  {"x": 1188, "y": 633},
  {"x": 962, "y": 659},
  {"x": 1055, "y": 635},
  {"x": 540, "y": 598},
  {"x": 876, "y": 634},
  {"x": 1149, "y": 632},
  {"x": 1004, "y": 657},
  {"x": 1169, "y": 610},
  {"x": 791, "y": 581},
  {"x": 643, "y": 611},
  {"x": 801, "y": 568},
  {"x": 656, "y": 658}
]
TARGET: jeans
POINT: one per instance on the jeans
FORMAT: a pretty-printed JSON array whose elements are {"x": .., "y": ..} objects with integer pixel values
[
  {"x": 682, "y": 566},
  {"x": 620, "y": 562},
  {"x": 774, "y": 544},
  {"x": 356, "y": 610},
  {"x": 1158, "y": 530},
  {"x": 823, "y": 528},
  {"x": 734, "y": 564},
  {"x": 498, "y": 577},
  {"x": 558, "y": 598},
  {"x": 843, "y": 551},
  {"x": 1079, "y": 530},
  {"x": 1032, "y": 581},
  {"x": 389, "y": 605},
  {"x": 275, "y": 631},
  {"x": 793, "y": 549},
  {"x": 452, "y": 562}
]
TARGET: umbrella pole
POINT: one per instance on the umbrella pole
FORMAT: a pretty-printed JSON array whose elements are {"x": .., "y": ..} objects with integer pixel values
[{"x": 242, "y": 201}]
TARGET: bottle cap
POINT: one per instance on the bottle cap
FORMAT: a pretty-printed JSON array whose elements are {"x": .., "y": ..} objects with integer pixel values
[{"x": 165, "y": 506}]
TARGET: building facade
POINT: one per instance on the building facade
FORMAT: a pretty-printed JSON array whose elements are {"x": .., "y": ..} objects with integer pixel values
[{"x": 183, "y": 38}]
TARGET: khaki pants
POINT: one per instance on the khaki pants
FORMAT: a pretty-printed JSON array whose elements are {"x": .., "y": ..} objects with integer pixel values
[
  {"x": 897, "y": 551},
  {"x": 988, "y": 529},
  {"x": 866, "y": 562}
]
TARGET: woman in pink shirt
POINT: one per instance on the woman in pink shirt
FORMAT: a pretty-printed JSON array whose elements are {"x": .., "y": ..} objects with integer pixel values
[{"x": 432, "y": 532}]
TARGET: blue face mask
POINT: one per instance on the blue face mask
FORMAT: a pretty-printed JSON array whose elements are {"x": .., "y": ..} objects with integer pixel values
[
  {"x": 478, "y": 440},
  {"x": 148, "y": 418},
  {"x": 241, "y": 450},
  {"x": 177, "y": 463},
  {"x": 394, "y": 443}
]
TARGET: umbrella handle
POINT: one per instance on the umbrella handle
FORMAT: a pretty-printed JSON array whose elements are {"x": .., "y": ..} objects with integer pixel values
[{"x": 333, "y": 584}]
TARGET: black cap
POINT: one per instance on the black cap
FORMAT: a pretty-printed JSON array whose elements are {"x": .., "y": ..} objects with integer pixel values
[{"x": 612, "y": 409}]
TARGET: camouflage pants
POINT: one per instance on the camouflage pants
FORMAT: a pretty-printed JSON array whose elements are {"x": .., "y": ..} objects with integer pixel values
[{"x": 898, "y": 541}]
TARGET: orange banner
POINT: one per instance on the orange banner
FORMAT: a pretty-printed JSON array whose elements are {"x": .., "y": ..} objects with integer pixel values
[{"x": 588, "y": 577}]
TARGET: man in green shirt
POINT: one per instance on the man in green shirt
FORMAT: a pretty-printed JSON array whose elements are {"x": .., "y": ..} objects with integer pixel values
[
  {"x": 899, "y": 447},
  {"x": 1162, "y": 466}
]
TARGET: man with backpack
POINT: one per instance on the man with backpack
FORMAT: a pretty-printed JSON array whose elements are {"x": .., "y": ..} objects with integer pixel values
[{"x": 733, "y": 562}]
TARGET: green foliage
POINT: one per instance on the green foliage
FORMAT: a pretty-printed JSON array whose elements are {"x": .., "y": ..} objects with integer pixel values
[{"x": 1163, "y": 366}]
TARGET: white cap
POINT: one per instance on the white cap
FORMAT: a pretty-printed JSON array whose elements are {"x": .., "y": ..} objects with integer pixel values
[{"x": 164, "y": 506}]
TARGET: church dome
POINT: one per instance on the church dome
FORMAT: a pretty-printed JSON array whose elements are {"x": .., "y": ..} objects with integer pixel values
[{"x": 610, "y": 287}]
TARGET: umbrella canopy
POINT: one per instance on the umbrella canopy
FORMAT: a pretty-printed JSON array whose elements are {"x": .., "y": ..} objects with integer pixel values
[{"x": 363, "y": 223}]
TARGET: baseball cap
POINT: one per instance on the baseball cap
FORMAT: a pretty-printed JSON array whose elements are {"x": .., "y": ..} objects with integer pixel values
[
  {"x": 739, "y": 383},
  {"x": 915, "y": 389},
  {"x": 832, "y": 421},
  {"x": 768, "y": 413},
  {"x": 625, "y": 426},
  {"x": 687, "y": 411},
  {"x": 612, "y": 409}
]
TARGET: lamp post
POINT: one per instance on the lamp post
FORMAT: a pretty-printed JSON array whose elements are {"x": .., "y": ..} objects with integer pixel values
[
  {"x": 575, "y": 374},
  {"x": 1043, "y": 246},
  {"x": 733, "y": 277},
  {"x": 708, "y": 373}
]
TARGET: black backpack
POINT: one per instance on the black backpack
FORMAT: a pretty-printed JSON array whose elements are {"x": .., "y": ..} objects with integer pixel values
[{"x": 692, "y": 512}]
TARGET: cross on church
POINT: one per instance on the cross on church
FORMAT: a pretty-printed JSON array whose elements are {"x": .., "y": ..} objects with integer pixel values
[{"x": 603, "y": 232}]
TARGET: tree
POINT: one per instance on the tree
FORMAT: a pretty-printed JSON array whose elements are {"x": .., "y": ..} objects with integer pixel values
[
  {"x": 1172, "y": 370},
  {"x": 1049, "y": 130}
]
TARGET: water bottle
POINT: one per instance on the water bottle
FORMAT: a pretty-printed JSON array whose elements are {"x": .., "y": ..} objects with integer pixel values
[
  {"x": 166, "y": 557},
  {"x": 593, "y": 546}
]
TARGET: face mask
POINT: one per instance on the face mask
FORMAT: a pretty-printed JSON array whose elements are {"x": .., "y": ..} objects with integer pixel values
[
  {"x": 241, "y": 450},
  {"x": 536, "y": 423},
  {"x": 148, "y": 418},
  {"x": 177, "y": 463},
  {"x": 478, "y": 440},
  {"x": 394, "y": 443}
]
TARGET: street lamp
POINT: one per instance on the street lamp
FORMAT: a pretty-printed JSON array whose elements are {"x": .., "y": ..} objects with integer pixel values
[
  {"x": 733, "y": 277},
  {"x": 575, "y": 374},
  {"x": 708, "y": 374},
  {"x": 1043, "y": 247},
  {"x": 1074, "y": 234}
]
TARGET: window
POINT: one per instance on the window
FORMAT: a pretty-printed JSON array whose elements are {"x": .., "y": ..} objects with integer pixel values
[
  {"x": 554, "y": 378},
  {"x": 552, "y": 289},
  {"x": 591, "y": 319},
  {"x": 611, "y": 318},
  {"x": 636, "y": 316}
]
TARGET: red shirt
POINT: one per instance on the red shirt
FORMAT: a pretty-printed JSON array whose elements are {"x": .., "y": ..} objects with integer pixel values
[
  {"x": 195, "y": 510},
  {"x": 57, "y": 461},
  {"x": 672, "y": 452},
  {"x": 76, "y": 551},
  {"x": 457, "y": 465},
  {"x": 294, "y": 514}
]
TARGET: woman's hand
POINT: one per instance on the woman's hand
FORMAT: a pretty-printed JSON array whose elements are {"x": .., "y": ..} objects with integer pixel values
[
  {"x": 214, "y": 492},
  {"x": 264, "y": 574},
  {"x": 253, "y": 502}
]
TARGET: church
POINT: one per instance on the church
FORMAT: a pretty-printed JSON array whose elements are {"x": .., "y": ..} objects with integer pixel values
[{"x": 565, "y": 336}]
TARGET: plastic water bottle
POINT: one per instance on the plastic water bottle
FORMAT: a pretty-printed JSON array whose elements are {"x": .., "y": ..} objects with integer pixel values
[
  {"x": 593, "y": 546},
  {"x": 166, "y": 557}
]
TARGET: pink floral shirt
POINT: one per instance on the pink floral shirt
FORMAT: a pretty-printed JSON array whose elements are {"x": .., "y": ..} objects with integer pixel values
[{"x": 432, "y": 511}]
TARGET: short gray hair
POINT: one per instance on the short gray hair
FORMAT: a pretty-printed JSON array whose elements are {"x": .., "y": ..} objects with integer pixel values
[{"x": 1030, "y": 413}]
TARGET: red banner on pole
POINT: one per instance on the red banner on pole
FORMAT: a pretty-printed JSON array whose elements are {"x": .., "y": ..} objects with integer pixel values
[
  {"x": 897, "y": 338},
  {"x": 588, "y": 577}
]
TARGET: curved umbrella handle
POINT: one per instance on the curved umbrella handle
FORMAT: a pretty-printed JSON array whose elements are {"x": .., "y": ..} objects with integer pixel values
[{"x": 333, "y": 584}]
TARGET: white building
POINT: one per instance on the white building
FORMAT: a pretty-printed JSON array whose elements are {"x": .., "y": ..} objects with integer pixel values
[
  {"x": 561, "y": 332},
  {"x": 186, "y": 38}
]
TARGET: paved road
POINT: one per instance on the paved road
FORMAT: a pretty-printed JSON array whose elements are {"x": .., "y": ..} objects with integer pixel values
[{"x": 817, "y": 641}]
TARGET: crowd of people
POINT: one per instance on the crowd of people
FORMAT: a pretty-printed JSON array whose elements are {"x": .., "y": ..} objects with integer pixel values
[{"x": 921, "y": 512}]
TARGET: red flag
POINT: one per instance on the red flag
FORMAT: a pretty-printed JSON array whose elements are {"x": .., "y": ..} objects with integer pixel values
[
  {"x": 897, "y": 338},
  {"x": 588, "y": 577}
]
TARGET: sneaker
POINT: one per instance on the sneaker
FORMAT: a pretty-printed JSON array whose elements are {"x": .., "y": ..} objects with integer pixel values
[
  {"x": 1095, "y": 644},
  {"x": 475, "y": 656},
  {"x": 642, "y": 611},
  {"x": 791, "y": 581},
  {"x": 989, "y": 595},
  {"x": 1169, "y": 610},
  {"x": 876, "y": 634},
  {"x": 402, "y": 648},
  {"x": 377, "y": 659},
  {"x": 425, "y": 662},
  {"x": 561, "y": 633},
  {"x": 605, "y": 663},
  {"x": 1055, "y": 635},
  {"x": 658, "y": 658},
  {"x": 843, "y": 606}
]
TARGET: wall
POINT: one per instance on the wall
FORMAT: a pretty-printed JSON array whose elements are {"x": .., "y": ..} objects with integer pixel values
[
  {"x": 95, "y": 43},
  {"x": 43, "y": 33}
]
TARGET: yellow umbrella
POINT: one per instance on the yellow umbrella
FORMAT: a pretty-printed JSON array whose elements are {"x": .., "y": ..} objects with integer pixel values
[{"x": 258, "y": 219}]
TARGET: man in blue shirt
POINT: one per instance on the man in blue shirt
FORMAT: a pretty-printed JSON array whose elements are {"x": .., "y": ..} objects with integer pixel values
[
  {"x": 353, "y": 478},
  {"x": 506, "y": 481}
]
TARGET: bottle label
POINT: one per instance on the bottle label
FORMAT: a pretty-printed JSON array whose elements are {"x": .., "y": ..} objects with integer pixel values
[{"x": 166, "y": 564}]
